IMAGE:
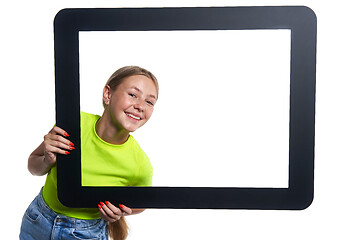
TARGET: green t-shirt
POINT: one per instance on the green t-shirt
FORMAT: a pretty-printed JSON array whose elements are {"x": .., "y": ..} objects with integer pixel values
[{"x": 102, "y": 164}]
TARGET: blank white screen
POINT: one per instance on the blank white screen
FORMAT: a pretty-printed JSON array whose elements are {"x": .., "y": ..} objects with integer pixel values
[{"x": 222, "y": 118}]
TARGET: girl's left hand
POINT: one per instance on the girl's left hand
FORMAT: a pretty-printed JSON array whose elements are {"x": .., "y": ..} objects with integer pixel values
[{"x": 110, "y": 213}]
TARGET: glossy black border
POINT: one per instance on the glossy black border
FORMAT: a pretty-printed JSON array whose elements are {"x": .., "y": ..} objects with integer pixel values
[{"x": 302, "y": 23}]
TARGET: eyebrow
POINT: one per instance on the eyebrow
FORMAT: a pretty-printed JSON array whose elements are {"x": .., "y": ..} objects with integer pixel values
[{"x": 137, "y": 89}]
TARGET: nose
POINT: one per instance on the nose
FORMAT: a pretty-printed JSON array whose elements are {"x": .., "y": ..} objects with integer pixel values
[{"x": 140, "y": 105}]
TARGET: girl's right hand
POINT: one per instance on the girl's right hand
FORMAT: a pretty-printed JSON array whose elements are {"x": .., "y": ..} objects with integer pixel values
[{"x": 55, "y": 142}]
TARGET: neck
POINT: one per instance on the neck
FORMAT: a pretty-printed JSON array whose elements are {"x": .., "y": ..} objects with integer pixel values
[{"x": 109, "y": 132}]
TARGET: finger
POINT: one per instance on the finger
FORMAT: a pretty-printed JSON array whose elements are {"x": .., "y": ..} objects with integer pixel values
[
  {"x": 55, "y": 144},
  {"x": 52, "y": 149},
  {"x": 126, "y": 209},
  {"x": 115, "y": 210},
  {"x": 59, "y": 130},
  {"x": 104, "y": 216},
  {"x": 59, "y": 134},
  {"x": 113, "y": 215},
  {"x": 58, "y": 141}
]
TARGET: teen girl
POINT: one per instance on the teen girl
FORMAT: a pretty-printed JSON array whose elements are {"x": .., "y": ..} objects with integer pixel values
[{"x": 112, "y": 157}]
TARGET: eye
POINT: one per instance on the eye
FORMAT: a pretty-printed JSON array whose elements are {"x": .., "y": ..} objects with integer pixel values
[
  {"x": 132, "y": 95},
  {"x": 150, "y": 103}
]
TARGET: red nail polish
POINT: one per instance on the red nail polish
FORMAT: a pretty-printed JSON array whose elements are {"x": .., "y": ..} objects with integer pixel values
[
  {"x": 106, "y": 202},
  {"x": 99, "y": 206},
  {"x": 66, "y": 134},
  {"x": 120, "y": 205},
  {"x": 71, "y": 144},
  {"x": 72, "y": 148},
  {"x": 102, "y": 204},
  {"x": 67, "y": 152}
]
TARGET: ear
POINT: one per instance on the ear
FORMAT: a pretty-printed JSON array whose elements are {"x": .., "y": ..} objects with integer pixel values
[{"x": 106, "y": 95}]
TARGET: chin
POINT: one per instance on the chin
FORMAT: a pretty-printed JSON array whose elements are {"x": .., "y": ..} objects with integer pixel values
[{"x": 131, "y": 128}]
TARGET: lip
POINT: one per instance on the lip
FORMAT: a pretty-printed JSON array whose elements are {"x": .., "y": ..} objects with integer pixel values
[{"x": 132, "y": 115}]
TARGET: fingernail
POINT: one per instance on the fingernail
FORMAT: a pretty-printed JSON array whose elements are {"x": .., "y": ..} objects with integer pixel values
[
  {"x": 66, "y": 134},
  {"x": 106, "y": 202},
  {"x": 66, "y": 152},
  {"x": 99, "y": 206},
  {"x": 71, "y": 144},
  {"x": 120, "y": 205},
  {"x": 102, "y": 204},
  {"x": 72, "y": 148}
]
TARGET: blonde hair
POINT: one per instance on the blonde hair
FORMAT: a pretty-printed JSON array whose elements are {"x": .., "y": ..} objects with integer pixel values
[
  {"x": 122, "y": 73},
  {"x": 119, "y": 230}
]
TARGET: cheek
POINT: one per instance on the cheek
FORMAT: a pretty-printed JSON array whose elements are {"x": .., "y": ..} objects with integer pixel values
[
  {"x": 121, "y": 105},
  {"x": 149, "y": 113}
]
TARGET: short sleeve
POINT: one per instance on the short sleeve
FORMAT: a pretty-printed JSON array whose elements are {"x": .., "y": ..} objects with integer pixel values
[{"x": 144, "y": 175}]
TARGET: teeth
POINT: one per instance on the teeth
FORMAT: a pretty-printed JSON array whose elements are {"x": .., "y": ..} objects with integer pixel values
[{"x": 130, "y": 115}]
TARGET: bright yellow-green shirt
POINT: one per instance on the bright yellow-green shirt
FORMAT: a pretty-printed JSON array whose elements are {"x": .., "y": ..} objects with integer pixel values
[{"x": 102, "y": 164}]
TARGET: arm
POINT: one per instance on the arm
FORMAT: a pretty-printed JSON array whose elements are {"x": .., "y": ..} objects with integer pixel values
[
  {"x": 43, "y": 158},
  {"x": 36, "y": 162},
  {"x": 137, "y": 211}
]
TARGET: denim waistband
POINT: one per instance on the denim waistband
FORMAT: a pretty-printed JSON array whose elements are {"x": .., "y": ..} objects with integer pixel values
[{"x": 61, "y": 220}]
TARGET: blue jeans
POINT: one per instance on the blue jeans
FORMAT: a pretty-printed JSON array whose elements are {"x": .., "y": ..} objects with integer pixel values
[{"x": 41, "y": 223}]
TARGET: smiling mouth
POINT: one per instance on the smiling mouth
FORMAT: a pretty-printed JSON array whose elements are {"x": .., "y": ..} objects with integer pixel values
[{"x": 133, "y": 116}]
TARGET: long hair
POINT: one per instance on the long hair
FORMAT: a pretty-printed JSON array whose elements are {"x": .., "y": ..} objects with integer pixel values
[{"x": 118, "y": 230}]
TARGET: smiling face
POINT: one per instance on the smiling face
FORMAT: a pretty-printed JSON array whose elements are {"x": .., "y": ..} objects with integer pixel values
[{"x": 131, "y": 104}]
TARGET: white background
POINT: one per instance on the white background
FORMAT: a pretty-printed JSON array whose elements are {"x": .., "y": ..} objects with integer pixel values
[
  {"x": 222, "y": 118},
  {"x": 27, "y": 104}
]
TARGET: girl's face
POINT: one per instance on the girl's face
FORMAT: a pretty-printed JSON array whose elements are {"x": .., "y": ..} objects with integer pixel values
[{"x": 132, "y": 103}]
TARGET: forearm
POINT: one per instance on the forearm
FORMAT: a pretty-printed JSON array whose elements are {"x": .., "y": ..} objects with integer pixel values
[
  {"x": 44, "y": 156},
  {"x": 37, "y": 166},
  {"x": 137, "y": 211},
  {"x": 36, "y": 162}
]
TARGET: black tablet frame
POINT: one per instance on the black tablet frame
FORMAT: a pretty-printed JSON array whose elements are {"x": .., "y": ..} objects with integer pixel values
[{"x": 302, "y": 23}]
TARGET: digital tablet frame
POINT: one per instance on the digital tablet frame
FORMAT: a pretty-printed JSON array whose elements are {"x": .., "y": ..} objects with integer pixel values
[{"x": 302, "y": 23}]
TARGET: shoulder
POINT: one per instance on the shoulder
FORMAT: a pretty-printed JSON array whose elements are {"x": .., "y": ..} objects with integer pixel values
[
  {"x": 144, "y": 172},
  {"x": 136, "y": 147},
  {"x": 141, "y": 157},
  {"x": 88, "y": 118}
]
